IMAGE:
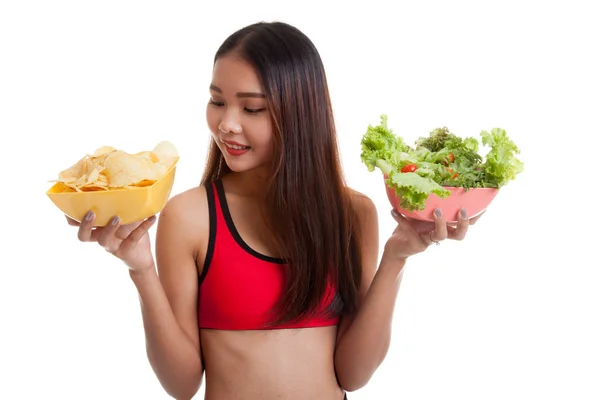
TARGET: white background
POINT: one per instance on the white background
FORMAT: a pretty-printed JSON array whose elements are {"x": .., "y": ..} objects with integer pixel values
[{"x": 510, "y": 313}]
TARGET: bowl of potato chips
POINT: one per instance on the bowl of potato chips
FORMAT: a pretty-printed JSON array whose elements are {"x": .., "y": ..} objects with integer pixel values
[{"x": 111, "y": 182}]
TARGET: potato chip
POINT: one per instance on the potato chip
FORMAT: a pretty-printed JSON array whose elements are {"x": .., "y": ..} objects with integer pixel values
[
  {"x": 166, "y": 152},
  {"x": 108, "y": 168},
  {"x": 103, "y": 151},
  {"x": 149, "y": 155}
]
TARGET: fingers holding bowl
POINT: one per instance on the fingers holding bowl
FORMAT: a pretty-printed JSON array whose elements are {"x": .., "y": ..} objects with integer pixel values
[
  {"x": 86, "y": 231},
  {"x": 440, "y": 232},
  {"x": 462, "y": 226},
  {"x": 442, "y": 229},
  {"x": 107, "y": 238},
  {"x": 134, "y": 237}
]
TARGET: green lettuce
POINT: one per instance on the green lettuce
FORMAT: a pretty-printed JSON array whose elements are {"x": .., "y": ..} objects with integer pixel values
[
  {"x": 438, "y": 161},
  {"x": 501, "y": 165}
]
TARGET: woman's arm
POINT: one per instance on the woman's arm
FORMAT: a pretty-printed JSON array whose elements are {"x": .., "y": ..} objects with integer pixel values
[
  {"x": 364, "y": 339},
  {"x": 168, "y": 299}
]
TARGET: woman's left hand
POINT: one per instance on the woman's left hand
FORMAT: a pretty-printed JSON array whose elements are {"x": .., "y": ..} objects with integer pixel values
[{"x": 413, "y": 236}]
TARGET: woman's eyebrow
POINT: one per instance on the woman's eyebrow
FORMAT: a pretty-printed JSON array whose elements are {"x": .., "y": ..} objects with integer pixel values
[{"x": 239, "y": 94}]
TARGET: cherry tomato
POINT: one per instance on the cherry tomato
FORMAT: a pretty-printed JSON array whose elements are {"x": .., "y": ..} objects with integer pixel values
[
  {"x": 409, "y": 168},
  {"x": 455, "y": 175},
  {"x": 449, "y": 159}
]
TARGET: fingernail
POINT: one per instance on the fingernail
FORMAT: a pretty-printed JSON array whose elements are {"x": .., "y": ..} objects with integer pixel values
[
  {"x": 152, "y": 218},
  {"x": 89, "y": 215},
  {"x": 463, "y": 213},
  {"x": 115, "y": 220},
  {"x": 438, "y": 213},
  {"x": 394, "y": 213}
]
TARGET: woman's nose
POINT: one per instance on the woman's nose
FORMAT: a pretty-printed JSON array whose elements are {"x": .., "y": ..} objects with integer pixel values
[{"x": 230, "y": 123}]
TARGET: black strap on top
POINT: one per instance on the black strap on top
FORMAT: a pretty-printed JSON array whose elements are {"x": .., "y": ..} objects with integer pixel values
[{"x": 212, "y": 235}]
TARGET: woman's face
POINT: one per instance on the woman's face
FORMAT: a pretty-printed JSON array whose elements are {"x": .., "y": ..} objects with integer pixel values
[{"x": 237, "y": 115}]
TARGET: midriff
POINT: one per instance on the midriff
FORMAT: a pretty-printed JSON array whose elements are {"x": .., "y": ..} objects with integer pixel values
[{"x": 282, "y": 364}]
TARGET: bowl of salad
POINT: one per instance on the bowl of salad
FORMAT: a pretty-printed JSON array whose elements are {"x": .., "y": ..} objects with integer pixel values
[{"x": 441, "y": 170}]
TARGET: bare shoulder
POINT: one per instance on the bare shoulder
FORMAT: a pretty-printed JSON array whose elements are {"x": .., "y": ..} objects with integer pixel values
[
  {"x": 185, "y": 219},
  {"x": 186, "y": 205},
  {"x": 363, "y": 205}
]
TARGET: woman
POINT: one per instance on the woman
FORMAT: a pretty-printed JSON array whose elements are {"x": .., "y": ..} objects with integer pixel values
[{"x": 267, "y": 275}]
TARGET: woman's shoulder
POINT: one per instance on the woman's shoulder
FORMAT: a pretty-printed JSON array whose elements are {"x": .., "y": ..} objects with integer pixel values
[
  {"x": 187, "y": 203},
  {"x": 362, "y": 203},
  {"x": 187, "y": 213}
]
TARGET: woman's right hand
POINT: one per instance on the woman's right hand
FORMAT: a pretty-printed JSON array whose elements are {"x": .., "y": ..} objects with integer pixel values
[{"x": 130, "y": 243}]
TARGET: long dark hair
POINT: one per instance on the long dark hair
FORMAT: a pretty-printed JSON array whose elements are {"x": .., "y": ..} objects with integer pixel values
[{"x": 311, "y": 214}]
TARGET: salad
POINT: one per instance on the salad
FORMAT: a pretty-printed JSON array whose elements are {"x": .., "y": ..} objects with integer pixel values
[{"x": 438, "y": 161}]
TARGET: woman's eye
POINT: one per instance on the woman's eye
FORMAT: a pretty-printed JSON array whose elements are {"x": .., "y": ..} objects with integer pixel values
[
  {"x": 253, "y": 110},
  {"x": 248, "y": 110}
]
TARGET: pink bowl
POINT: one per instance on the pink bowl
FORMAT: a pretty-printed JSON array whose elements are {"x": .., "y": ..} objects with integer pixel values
[{"x": 474, "y": 200}]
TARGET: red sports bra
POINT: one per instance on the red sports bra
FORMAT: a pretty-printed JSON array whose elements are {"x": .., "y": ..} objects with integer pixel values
[{"x": 239, "y": 287}]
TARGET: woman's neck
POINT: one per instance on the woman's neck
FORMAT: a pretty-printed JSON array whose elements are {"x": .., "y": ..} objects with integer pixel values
[{"x": 251, "y": 183}]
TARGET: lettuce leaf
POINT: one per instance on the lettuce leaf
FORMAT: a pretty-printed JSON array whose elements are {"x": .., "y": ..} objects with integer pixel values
[
  {"x": 501, "y": 164},
  {"x": 413, "y": 189},
  {"x": 380, "y": 144}
]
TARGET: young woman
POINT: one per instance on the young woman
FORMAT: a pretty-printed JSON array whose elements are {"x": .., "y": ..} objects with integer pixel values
[{"x": 266, "y": 275}]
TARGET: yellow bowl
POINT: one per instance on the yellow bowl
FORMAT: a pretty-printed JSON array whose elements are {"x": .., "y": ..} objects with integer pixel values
[{"x": 131, "y": 205}]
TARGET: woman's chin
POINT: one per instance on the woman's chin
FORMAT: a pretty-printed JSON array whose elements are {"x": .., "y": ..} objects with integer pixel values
[{"x": 238, "y": 165}]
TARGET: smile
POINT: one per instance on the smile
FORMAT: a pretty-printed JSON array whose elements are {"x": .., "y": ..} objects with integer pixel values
[{"x": 235, "y": 146}]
